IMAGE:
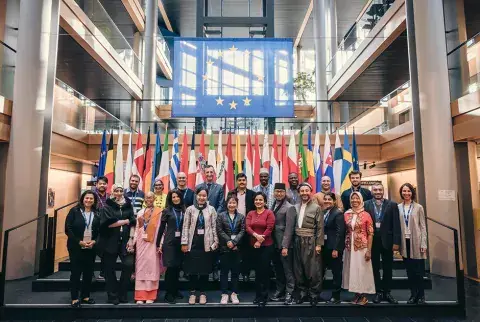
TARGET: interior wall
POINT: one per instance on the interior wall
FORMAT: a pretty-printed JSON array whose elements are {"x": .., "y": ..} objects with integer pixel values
[{"x": 3, "y": 167}]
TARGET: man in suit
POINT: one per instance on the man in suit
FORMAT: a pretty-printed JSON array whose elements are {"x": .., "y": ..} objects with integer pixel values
[
  {"x": 386, "y": 240},
  {"x": 292, "y": 193},
  {"x": 188, "y": 194},
  {"x": 215, "y": 191},
  {"x": 326, "y": 188},
  {"x": 334, "y": 235},
  {"x": 355, "y": 179},
  {"x": 285, "y": 218}
]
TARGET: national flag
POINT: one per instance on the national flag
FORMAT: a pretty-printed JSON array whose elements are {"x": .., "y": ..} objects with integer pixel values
[
  {"x": 212, "y": 158},
  {"x": 109, "y": 164},
  {"x": 147, "y": 173},
  {"x": 346, "y": 164},
  {"x": 310, "y": 165},
  {"x": 157, "y": 157},
  {"x": 356, "y": 165},
  {"x": 201, "y": 161},
  {"x": 192, "y": 165},
  {"x": 174, "y": 162},
  {"x": 164, "y": 171},
  {"x": 284, "y": 161},
  {"x": 129, "y": 163},
  {"x": 221, "y": 164},
  {"x": 337, "y": 164},
  {"x": 266, "y": 154},
  {"x": 274, "y": 167},
  {"x": 256, "y": 162},
  {"x": 103, "y": 156},
  {"x": 238, "y": 154},
  {"x": 302, "y": 159},
  {"x": 248, "y": 162},
  {"x": 184, "y": 156},
  {"x": 317, "y": 162},
  {"x": 138, "y": 159},
  {"x": 228, "y": 173},
  {"x": 292, "y": 156},
  {"x": 328, "y": 161},
  {"x": 119, "y": 159}
]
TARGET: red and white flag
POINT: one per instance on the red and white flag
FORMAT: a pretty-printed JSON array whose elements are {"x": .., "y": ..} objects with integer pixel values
[
  {"x": 256, "y": 162},
  {"x": 274, "y": 167},
  {"x": 248, "y": 162},
  {"x": 284, "y": 161},
  {"x": 138, "y": 159},
  {"x": 202, "y": 161},
  {"x": 266, "y": 153},
  {"x": 229, "y": 174},
  {"x": 184, "y": 155},
  {"x": 292, "y": 155},
  {"x": 192, "y": 165}
]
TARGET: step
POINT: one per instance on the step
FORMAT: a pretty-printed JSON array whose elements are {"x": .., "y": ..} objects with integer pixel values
[{"x": 60, "y": 282}]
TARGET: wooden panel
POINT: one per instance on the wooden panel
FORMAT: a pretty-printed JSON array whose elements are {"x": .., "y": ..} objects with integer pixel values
[
  {"x": 136, "y": 12},
  {"x": 6, "y": 106},
  {"x": 397, "y": 149},
  {"x": 163, "y": 12},
  {"x": 397, "y": 132},
  {"x": 164, "y": 63},
  {"x": 466, "y": 103},
  {"x": 468, "y": 129},
  {"x": 68, "y": 148},
  {"x": 304, "y": 24},
  {"x": 82, "y": 29}
]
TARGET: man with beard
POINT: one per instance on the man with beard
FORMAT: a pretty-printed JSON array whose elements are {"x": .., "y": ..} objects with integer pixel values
[
  {"x": 265, "y": 187},
  {"x": 134, "y": 194},
  {"x": 386, "y": 240},
  {"x": 326, "y": 188},
  {"x": 285, "y": 216},
  {"x": 215, "y": 191},
  {"x": 101, "y": 191},
  {"x": 307, "y": 247},
  {"x": 356, "y": 179},
  {"x": 188, "y": 194},
  {"x": 292, "y": 192}
]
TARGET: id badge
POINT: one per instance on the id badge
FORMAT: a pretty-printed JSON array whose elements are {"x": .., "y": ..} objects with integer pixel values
[
  {"x": 407, "y": 235},
  {"x": 87, "y": 236},
  {"x": 144, "y": 236},
  {"x": 177, "y": 234},
  {"x": 201, "y": 231},
  {"x": 378, "y": 225},
  {"x": 233, "y": 237},
  {"x": 325, "y": 237}
]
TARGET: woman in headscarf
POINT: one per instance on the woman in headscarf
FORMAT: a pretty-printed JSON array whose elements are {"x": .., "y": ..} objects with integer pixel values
[
  {"x": 199, "y": 240},
  {"x": 168, "y": 243},
  {"x": 357, "y": 266},
  {"x": 117, "y": 223},
  {"x": 148, "y": 266}
]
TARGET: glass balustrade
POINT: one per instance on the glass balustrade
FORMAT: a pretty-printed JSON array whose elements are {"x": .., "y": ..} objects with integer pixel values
[{"x": 162, "y": 45}]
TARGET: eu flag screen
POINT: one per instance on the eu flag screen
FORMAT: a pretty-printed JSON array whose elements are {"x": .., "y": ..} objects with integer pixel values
[{"x": 233, "y": 78}]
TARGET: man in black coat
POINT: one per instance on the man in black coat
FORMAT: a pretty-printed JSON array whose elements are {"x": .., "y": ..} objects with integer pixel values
[
  {"x": 332, "y": 252},
  {"x": 386, "y": 240},
  {"x": 188, "y": 194},
  {"x": 355, "y": 179}
]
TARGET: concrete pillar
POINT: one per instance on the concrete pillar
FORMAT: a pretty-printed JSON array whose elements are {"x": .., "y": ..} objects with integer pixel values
[
  {"x": 320, "y": 41},
  {"x": 29, "y": 148},
  {"x": 332, "y": 30},
  {"x": 434, "y": 150},
  {"x": 9, "y": 36},
  {"x": 150, "y": 65}
]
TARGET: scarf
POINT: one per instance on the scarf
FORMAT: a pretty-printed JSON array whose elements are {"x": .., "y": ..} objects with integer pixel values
[
  {"x": 120, "y": 202},
  {"x": 151, "y": 216},
  {"x": 200, "y": 209}
]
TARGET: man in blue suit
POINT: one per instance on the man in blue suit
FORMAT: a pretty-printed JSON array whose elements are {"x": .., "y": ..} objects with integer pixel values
[{"x": 215, "y": 191}]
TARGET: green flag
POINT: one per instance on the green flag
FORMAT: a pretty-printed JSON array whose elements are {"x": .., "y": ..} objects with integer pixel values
[{"x": 302, "y": 162}]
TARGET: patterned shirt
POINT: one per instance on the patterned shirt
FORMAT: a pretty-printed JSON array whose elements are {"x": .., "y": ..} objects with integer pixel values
[
  {"x": 267, "y": 190},
  {"x": 136, "y": 198}
]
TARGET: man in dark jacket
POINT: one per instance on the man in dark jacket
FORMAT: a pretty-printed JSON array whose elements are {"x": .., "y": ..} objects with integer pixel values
[
  {"x": 188, "y": 194},
  {"x": 355, "y": 179},
  {"x": 216, "y": 197},
  {"x": 285, "y": 218},
  {"x": 386, "y": 240},
  {"x": 332, "y": 252}
]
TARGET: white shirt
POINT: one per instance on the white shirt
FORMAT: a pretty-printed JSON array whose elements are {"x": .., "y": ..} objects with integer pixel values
[
  {"x": 242, "y": 207},
  {"x": 301, "y": 214}
]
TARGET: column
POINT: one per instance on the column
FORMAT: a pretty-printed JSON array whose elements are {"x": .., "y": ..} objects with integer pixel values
[
  {"x": 150, "y": 65},
  {"x": 434, "y": 150},
  {"x": 29, "y": 148},
  {"x": 332, "y": 31},
  {"x": 320, "y": 41}
]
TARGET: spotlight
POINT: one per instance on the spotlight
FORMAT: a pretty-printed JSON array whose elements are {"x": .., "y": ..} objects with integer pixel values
[{"x": 373, "y": 165}]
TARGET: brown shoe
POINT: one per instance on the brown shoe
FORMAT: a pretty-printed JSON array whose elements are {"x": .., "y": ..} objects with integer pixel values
[
  {"x": 362, "y": 300},
  {"x": 203, "y": 299},
  {"x": 355, "y": 299},
  {"x": 192, "y": 299}
]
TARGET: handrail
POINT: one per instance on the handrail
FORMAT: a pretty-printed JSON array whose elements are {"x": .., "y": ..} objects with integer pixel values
[
  {"x": 52, "y": 243},
  {"x": 1, "y": 42},
  {"x": 459, "y": 272},
  {"x": 463, "y": 43}
]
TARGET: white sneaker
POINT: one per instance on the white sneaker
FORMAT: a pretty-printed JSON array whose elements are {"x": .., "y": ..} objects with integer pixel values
[
  {"x": 140, "y": 302},
  {"x": 234, "y": 298},
  {"x": 224, "y": 299},
  {"x": 149, "y": 302}
]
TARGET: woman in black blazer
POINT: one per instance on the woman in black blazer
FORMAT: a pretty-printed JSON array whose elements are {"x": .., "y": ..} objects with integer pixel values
[{"x": 81, "y": 228}]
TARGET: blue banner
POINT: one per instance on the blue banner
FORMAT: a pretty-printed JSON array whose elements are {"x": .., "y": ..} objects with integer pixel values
[{"x": 233, "y": 78}]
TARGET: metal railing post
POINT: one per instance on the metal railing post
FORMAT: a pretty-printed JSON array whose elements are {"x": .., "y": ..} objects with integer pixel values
[
  {"x": 4, "y": 268},
  {"x": 459, "y": 271}
]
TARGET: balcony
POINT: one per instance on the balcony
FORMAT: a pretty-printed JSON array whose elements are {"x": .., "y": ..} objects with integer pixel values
[{"x": 163, "y": 56}]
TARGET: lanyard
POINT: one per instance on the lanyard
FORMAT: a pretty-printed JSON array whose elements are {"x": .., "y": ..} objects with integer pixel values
[
  {"x": 178, "y": 220},
  {"x": 378, "y": 214},
  {"x": 185, "y": 194},
  {"x": 232, "y": 223},
  {"x": 89, "y": 222},
  {"x": 325, "y": 218},
  {"x": 294, "y": 195},
  {"x": 146, "y": 222},
  {"x": 201, "y": 219},
  {"x": 406, "y": 215}
]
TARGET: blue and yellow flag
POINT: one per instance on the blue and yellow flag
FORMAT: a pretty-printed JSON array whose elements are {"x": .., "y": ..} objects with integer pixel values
[
  {"x": 356, "y": 165},
  {"x": 346, "y": 164}
]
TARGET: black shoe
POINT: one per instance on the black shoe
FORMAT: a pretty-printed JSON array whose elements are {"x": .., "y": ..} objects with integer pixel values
[
  {"x": 89, "y": 301},
  {"x": 256, "y": 301},
  {"x": 122, "y": 299},
  {"x": 421, "y": 300},
  {"x": 76, "y": 305},
  {"x": 313, "y": 301},
  {"x": 169, "y": 298},
  {"x": 246, "y": 278},
  {"x": 263, "y": 301},
  {"x": 215, "y": 275},
  {"x": 277, "y": 296},
  {"x": 113, "y": 301},
  {"x": 389, "y": 298},
  {"x": 301, "y": 298},
  {"x": 335, "y": 300},
  {"x": 412, "y": 300},
  {"x": 378, "y": 298},
  {"x": 288, "y": 299}
]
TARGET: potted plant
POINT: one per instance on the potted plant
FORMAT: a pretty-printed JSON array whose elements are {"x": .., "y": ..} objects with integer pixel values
[{"x": 303, "y": 85}]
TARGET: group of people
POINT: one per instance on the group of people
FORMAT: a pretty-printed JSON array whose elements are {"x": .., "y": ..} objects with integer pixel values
[{"x": 298, "y": 233}]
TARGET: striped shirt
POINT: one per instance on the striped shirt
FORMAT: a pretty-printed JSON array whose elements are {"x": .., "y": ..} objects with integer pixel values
[
  {"x": 136, "y": 198},
  {"x": 268, "y": 190}
]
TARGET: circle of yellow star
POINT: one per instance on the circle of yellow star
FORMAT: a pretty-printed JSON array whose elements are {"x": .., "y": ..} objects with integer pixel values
[
  {"x": 219, "y": 101},
  {"x": 246, "y": 101},
  {"x": 205, "y": 77},
  {"x": 233, "y": 48},
  {"x": 233, "y": 105},
  {"x": 260, "y": 78},
  {"x": 210, "y": 62},
  {"x": 246, "y": 52},
  {"x": 220, "y": 53}
]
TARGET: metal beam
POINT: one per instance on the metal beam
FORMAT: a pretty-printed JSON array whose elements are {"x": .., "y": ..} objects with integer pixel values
[
  {"x": 163, "y": 12},
  {"x": 234, "y": 21},
  {"x": 303, "y": 25}
]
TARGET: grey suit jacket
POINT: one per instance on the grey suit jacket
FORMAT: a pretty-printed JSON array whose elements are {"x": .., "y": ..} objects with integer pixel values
[
  {"x": 215, "y": 195},
  {"x": 285, "y": 219}
]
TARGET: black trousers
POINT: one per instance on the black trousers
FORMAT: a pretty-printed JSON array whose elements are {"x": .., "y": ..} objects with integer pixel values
[
  {"x": 386, "y": 264},
  {"x": 246, "y": 256},
  {"x": 114, "y": 287},
  {"x": 415, "y": 273},
  {"x": 336, "y": 266},
  {"x": 82, "y": 261},
  {"x": 261, "y": 258},
  {"x": 229, "y": 262},
  {"x": 171, "y": 280},
  {"x": 198, "y": 283},
  {"x": 284, "y": 279}
]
